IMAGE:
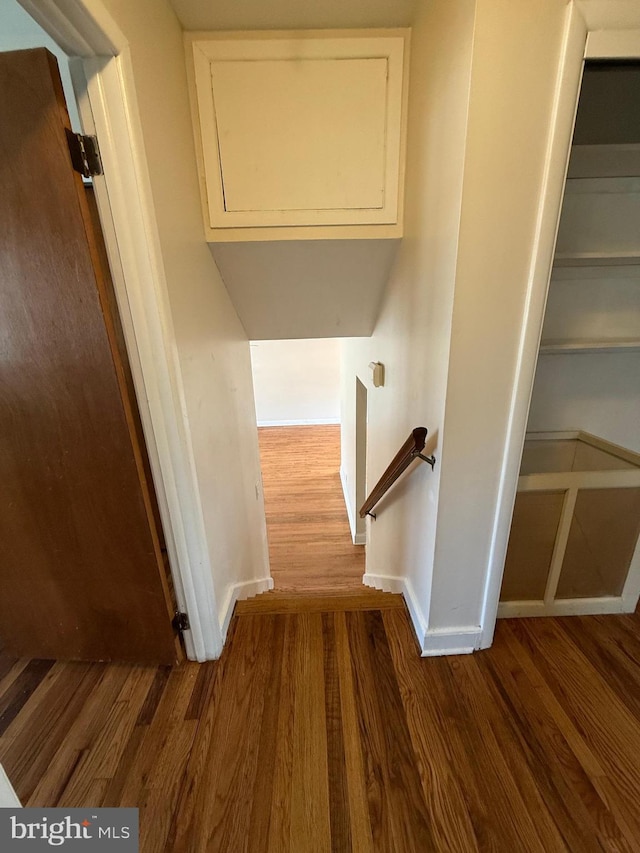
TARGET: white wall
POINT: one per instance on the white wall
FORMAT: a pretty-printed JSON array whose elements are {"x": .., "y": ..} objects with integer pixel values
[
  {"x": 412, "y": 334},
  {"x": 18, "y": 31},
  {"x": 296, "y": 382},
  {"x": 293, "y": 14},
  {"x": 597, "y": 393},
  {"x": 212, "y": 346}
]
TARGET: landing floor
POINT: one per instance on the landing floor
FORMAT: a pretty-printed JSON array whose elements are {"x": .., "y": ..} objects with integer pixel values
[{"x": 327, "y": 732}]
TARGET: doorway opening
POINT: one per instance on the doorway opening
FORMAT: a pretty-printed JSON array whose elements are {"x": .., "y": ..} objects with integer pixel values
[
  {"x": 316, "y": 551},
  {"x": 297, "y": 394}
]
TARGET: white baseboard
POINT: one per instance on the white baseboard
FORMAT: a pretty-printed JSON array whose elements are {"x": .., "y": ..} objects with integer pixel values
[
  {"x": 302, "y": 422},
  {"x": 433, "y": 642},
  {"x": 567, "y": 607},
  {"x": 418, "y": 616},
  {"x": 462, "y": 640},
  {"x": 238, "y": 592},
  {"x": 385, "y": 583},
  {"x": 356, "y": 538}
]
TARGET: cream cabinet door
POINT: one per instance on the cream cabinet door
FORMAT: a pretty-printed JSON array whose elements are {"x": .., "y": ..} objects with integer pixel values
[{"x": 300, "y": 131}]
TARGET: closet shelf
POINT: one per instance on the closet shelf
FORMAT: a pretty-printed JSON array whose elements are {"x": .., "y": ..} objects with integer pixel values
[
  {"x": 566, "y": 347},
  {"x": 596, "y": 259}
]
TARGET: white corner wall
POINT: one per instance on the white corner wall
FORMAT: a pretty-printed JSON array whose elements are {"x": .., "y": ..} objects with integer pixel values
[
  {"x": 483, "y": 81},
  {"x": 516, "y": 61},
  {"x": 411, "y": 337},
  {"x": 212, "y": 346},
  {"x": 296, "y": 382}
]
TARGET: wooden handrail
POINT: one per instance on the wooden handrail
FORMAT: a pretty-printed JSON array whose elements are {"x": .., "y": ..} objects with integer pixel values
[{"x": 410, "y": 450}]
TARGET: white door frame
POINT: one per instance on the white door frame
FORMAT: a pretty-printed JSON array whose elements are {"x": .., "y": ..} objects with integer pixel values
[
  {"x": 593, "y": 30},
  {"x": 108, "y": 106}
]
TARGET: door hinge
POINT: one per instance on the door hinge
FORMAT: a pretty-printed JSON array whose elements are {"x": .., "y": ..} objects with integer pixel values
[
  {"x": 180, "y": 622},
  {"x": 85, "y": 154}
]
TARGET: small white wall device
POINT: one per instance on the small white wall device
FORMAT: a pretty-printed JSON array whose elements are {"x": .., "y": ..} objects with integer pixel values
[{"x": 377, "y": 369}]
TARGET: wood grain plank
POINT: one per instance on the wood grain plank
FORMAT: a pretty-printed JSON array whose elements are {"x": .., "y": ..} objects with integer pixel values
[
  {"x": 339, "y": 818},
  {"x": 280, "y": 826},
  {"x": 128, "y": 758},
  {"x": 7, "y": 665},
  {"x": 202, "y": 690},
  {"x": 580, "y": 813},
  {"x": 576, "y": 733},
  {"x": 57, "y": 702},
  {"x": 444, "y": 792},
  {"x": 398, "y": 812},
  {"x": 613, "y": 739},
  {"x": 496, "y": 808},
  {"x": 260, "y": 822},
  {"x": 22, "y": 721},
  {"x": 93, "y": 796},
  {"x": 362, "y": 836},
  {"x": 161, "y": 793},
  {"x": 310, "y": 829},
  {"x": 101, "y": 761},
  {"x": 223, "y": 805},
  {"x": 154, "y": 695},
  {"x": 21, "y": 690},
  {"x": 538, "y": 830},
  {"x": 135, "y": 692},
  {"x": 173, "y": 703},
  {"x": 10, "y": 676},
  {"x": 179, "y": 836},
  {"x": 182, "y": 826},
  {"x": 153, "y": 782},
  {"x": 80, "y": 737},
  {"x": 615, "y": 656}
]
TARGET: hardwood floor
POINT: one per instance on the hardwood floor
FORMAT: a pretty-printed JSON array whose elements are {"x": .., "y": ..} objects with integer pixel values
[
  {"x": 321, "y": 728},
  {"x": 327, "y": 732},
  {"x": 310, "y": 547}
]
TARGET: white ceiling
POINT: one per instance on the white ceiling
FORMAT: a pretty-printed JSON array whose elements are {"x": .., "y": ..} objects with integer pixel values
[{"x": 292, "y": 14}]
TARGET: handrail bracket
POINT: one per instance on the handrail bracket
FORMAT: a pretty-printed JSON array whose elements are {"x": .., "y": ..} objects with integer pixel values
[{"x": 430, "y": 459}]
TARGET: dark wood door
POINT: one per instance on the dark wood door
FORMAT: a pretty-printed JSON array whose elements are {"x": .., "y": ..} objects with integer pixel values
[{"x": 81, "y": 571}]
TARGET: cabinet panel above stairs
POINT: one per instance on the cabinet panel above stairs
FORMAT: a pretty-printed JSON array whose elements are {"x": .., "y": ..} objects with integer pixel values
[
  {"x": 300, "y": 140},
  {"x": 299, "y": 130}
]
